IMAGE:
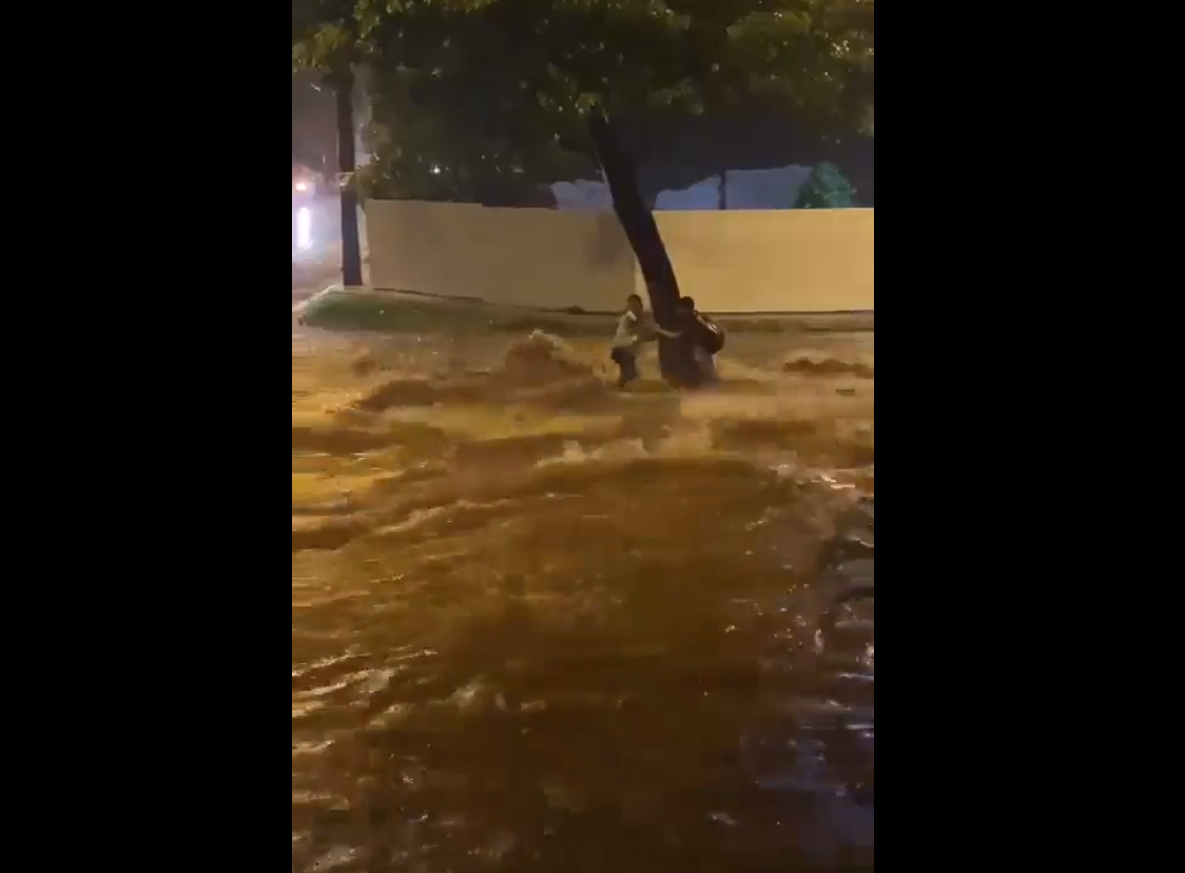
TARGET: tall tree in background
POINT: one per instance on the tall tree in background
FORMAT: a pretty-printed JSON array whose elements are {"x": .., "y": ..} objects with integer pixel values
[
  {"x": 826, "y": 188},
  {"x": 483, "y": 100},
  {"x": 325, "y": 38}
]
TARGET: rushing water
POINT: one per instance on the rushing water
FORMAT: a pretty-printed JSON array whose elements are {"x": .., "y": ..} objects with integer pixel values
[{"x": 537, "y": 626}]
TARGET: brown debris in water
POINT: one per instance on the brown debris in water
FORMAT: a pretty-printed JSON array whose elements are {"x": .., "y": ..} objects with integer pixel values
[
  {"x": 809, "y": 365},
  {"x": 364, "y": 364},
  {"x": 343, "y": 439},
  {"x": 540, "y": 369},
  {"x": 763, "y": 430},
  {"x": 813, "y": 440},
  {"x": 333, "y": 440},
  {"x": 399, "y": 392},
  {"x": 543, "y": 358},
  {"x": 325, "y": 533},
  {"x": 544, "y": 370}
]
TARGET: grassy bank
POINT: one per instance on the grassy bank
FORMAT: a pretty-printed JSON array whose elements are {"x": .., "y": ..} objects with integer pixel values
[{"x": 400, "y": 313}]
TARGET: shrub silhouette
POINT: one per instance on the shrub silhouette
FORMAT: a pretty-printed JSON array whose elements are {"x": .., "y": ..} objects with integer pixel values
[{"x": 825, "y": 188}]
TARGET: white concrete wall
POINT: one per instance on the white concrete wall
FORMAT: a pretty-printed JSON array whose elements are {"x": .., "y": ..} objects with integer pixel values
[{"x": 782, "y": 260}]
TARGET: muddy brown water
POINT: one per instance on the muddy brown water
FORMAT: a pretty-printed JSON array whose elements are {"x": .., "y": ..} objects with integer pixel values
[{"x": 540, "y": 626}]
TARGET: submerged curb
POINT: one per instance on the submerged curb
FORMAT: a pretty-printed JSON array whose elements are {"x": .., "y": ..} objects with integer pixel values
[{"x": 301, "y": 307}]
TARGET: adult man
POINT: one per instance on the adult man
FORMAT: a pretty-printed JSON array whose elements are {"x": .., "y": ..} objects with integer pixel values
[{"x": 700, "y": 339}]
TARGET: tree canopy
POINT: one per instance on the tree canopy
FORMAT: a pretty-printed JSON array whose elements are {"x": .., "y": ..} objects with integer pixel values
[
  {"x": 484, "y": 99},
  {"x": 825, "y": 188}
]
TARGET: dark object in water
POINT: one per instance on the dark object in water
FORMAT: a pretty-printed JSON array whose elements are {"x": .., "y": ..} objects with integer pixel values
[
  {"x": 642, "y": 232},
  {"x": 711, "y": 335}
]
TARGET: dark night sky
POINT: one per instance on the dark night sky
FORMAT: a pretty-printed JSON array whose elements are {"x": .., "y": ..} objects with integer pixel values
[{"x": 313, "y": 136}]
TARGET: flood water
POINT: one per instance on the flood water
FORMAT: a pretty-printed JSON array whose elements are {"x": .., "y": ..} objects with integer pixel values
[{"x": 540, "y": 626}]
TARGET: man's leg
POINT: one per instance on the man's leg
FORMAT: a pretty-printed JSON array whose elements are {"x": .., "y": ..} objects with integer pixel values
[
  {"x": 692, "y": 375},
  {"x": 706, "y": 363}
]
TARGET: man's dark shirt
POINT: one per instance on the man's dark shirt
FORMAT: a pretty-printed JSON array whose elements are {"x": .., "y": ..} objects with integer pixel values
[{"x": 689, "y": 328}]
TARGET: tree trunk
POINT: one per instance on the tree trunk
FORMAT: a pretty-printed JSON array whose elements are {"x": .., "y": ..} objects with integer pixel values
[
  {"x": 343, "y": 90},
  {"x": 642, "y": 232}
]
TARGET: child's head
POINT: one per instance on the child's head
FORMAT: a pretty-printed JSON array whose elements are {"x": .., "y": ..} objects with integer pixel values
[
  {"x": 687, "y": 304},
  {"x": 634, "y": 304}
]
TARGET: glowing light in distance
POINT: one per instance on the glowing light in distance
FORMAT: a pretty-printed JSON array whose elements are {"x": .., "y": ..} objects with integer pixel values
[{"x": 304, "y": 228}]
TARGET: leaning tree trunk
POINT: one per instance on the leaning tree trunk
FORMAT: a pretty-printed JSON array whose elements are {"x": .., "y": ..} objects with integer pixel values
[
  {"x": 343, "y": 92},
  {"x": 642, "y": 232}
]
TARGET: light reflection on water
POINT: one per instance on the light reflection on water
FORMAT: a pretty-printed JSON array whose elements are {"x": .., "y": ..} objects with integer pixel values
[{"x": 565, "y": 656}]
